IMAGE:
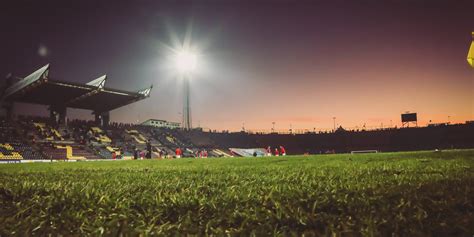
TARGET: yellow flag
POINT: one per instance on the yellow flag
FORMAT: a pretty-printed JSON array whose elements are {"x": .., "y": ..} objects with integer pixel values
[{"x": 470, "y": 55}]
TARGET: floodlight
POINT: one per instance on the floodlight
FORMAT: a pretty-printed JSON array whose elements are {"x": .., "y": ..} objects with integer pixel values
[{"x": 185, "y": 61}]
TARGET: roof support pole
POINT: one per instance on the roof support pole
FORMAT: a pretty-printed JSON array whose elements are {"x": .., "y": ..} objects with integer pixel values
[
  {"x": 102, "y": 119},
  {"x": 6, "y": 109},
  {"x": 57, "y": 114}
]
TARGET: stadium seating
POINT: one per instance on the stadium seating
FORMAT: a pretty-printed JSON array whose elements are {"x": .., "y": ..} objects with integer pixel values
[
  {"x": 84, "y": 152},
  {"x": 34, "y": 139},
  {"x": 57, "y": 134},
  {"x": 69, "y": 152},
  {"x": 100, "y": 135},
  {"x": 54, "y": 153},
  {"x": 104, "y": 153},
  {"x": 28, "y": 152},
  {"x": 7, "y": 152},
  {"x": 139, "y": 138},
  {"x": 19, "y": 151},
  {"x": 48, "y": 133}
]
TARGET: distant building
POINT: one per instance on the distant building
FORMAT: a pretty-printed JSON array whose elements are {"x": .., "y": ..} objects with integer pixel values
[{"x": 161, "y": 124}]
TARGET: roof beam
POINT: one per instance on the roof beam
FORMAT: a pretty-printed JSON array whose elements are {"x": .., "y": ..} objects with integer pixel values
[
  {"x": 140, "y": 95},
  {"x": 40, "y": 74},
  {"x": 99, "y": 83},
  {"x": 145, "y": 92}
]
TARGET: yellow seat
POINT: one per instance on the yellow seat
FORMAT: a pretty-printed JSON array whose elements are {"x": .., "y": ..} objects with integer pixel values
[
  {"x": 96, "y": 129},
  {"x": 16, "y": 155},
  {"x": 109, "y": 148},
  {"x": 138, "y": 140},
  {"x": 40, "y": 126},
  {"x": 56, "y": 132},
  {"x": 9, "y": 147},
  {"x": 105, "y": 139}
]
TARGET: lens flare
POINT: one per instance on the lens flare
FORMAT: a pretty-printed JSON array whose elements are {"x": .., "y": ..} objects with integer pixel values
[{"x": 186, "y": 61}]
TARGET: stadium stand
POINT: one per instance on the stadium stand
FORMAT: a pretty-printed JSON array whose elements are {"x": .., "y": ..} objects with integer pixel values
[
  {"x": 455, "y": 136},
  {"x": 139, "y": 138},
  {"x": 68, "y": 152},
  {"x": 28, "y": 152},
  {"x": 19, "y": 151},
  {"x": 99, "y": 135},
  {"x": 56, "y": 137},
  {"x": 80, "y": 151},
  {"x": 48, "y": 133},
  {"x": 7, "y": 152},
  {"x": 34, "y": 138}
]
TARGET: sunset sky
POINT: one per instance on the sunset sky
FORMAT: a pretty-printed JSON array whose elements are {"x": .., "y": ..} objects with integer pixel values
[{"x": 289, "y": 62}]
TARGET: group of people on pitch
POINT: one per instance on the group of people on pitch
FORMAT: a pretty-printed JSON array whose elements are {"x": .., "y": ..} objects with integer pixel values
[
  {"x": 196, "y": 154},
  {"x": 277, "y": 152}
]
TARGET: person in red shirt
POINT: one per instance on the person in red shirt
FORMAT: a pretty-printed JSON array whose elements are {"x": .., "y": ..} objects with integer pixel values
[
  {"x": 282, "y": 151},
  {"x": 277, "y": 153},
  {"x": 269, "y": 151},
  {"x": 114, "y": 155},
  {"x": 178, "y": 152}
]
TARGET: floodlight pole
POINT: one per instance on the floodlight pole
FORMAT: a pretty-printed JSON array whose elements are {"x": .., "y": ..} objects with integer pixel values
[{"x": 187, "y": 125}]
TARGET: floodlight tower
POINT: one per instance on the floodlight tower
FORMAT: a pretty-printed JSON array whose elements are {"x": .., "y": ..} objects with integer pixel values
[
  {"x": 186, "y": 64},
  {"x": 470, "y": 54},
  {"x": 187, "y": 124}
]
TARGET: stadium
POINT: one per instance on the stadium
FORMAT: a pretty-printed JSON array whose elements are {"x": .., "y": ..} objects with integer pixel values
[
  {"x": 56, "y": 138},
  {"x": 62, "y": 175}
]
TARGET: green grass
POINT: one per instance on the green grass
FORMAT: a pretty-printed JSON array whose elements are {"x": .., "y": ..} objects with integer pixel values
[{"x": 409, "y": 194}]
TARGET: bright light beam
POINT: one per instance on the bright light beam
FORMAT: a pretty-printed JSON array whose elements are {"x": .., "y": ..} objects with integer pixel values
[{"x": 185, "y": 61}]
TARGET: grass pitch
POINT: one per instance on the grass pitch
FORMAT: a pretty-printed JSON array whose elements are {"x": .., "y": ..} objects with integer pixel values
[{"x": 408, "y": 194}]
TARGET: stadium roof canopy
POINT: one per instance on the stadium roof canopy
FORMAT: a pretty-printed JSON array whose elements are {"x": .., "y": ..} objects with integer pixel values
[{"x": 39, "y": 88}]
